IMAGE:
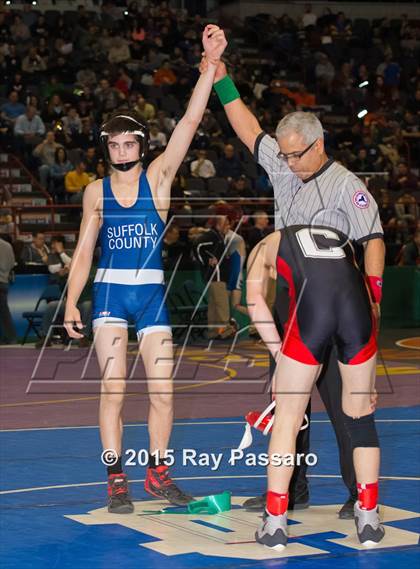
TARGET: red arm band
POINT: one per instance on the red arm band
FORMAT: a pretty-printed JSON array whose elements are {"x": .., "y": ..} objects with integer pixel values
[{"x": 375, "y": 287}]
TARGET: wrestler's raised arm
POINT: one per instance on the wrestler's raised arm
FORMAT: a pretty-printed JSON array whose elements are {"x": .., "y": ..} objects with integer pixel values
[{"x": 164, "y": 168}]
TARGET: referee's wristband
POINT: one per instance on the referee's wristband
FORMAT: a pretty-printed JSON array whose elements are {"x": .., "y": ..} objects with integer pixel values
[
  {"x": 375, "y": 287},
  {"x": 226, "y": 90}
]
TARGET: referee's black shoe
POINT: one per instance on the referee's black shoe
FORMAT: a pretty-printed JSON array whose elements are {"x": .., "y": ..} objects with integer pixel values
[
  {"x": 257, "y": 504},
  {"x": 347, "y": 510}
]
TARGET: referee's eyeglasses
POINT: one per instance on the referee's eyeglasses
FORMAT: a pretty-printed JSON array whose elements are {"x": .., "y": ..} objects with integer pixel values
[{"x": 295, "y": 155}]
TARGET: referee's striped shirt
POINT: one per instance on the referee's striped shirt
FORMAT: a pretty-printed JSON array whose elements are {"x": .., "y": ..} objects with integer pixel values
[{"x": 333, "y": 197}]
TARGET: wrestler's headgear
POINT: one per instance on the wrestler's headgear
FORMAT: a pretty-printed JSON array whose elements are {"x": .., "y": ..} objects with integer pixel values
[{"x": 121, "y": 123}]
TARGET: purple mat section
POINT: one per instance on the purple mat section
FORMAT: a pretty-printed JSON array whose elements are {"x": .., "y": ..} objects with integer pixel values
[{"x": 61, "y": 388}]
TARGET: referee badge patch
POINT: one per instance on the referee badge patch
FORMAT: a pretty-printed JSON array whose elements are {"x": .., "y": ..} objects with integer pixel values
[{"x": 361, "y": 199}]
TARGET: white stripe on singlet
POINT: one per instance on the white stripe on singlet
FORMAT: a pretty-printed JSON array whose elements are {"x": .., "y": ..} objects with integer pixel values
[{"x": 130, "y": 276}]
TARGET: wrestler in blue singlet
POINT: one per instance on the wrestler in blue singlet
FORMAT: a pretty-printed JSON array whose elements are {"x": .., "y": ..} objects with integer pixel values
[
  {"x": 236, "y": 260},
  {"x": 129, "y": 284}
]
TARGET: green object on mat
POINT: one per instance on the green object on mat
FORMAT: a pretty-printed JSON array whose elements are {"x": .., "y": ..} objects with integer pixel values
[
  {"x": 211, "y": 504},
  {"x": 169, "y": 510}
]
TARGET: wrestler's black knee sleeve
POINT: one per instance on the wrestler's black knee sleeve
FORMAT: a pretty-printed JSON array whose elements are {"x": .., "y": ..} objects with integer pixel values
[{"x": 362, "y": 431}]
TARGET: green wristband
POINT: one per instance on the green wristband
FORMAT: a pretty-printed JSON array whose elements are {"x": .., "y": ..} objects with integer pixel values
[{"x": 226, "y": 90}]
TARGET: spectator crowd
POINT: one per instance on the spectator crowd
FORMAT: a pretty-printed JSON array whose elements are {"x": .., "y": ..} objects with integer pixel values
[{"x": 64, "y": 73}]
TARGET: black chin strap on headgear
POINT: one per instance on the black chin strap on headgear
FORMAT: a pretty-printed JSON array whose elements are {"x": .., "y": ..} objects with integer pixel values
[
  {"x": 140, "y": 131},
  {"x": 125, "y": 166}
]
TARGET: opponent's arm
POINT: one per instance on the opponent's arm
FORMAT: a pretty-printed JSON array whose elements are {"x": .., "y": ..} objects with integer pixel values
[
  {"x": 82, "y": 258},
  {"x": 260, "y": 263},
  {"x": 243, "y": 122},
  {"x": 167, "y": 164},
  {"x": 374, "y": 266}
]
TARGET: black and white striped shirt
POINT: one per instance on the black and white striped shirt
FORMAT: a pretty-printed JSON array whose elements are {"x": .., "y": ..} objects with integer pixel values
[{"x": 333, "y": 197}]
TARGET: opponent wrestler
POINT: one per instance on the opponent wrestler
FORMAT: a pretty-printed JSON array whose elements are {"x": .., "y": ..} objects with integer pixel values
[{"x": 329, "y": 301}]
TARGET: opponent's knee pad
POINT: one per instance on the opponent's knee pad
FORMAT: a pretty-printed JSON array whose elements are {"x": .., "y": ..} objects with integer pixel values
[{"x": 362, "y": 431}]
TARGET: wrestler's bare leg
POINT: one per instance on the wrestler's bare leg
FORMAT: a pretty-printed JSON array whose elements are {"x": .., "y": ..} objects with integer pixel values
[
  {"x": 293, "y": 386},
  {"x": 156, "y": 349},
  {"x": 111, "y": 349}
]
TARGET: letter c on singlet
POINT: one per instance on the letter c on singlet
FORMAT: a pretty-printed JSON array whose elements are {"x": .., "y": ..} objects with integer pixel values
[{"x": 310, "y": 248}]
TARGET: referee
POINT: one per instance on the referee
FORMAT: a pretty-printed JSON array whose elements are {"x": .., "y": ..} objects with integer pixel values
[{"x": 311, "y": 189}]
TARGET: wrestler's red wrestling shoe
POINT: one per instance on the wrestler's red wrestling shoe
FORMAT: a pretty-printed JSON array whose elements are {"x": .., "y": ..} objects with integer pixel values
[
  {"x": 159, "y": 484},
  {"x": 119, "y": 501}
]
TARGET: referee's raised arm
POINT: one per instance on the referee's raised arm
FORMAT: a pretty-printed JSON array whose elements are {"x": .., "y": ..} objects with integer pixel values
[{"x": 243, "y": 122}]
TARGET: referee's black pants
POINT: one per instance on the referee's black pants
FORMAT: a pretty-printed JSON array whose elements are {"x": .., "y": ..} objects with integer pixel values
[{"x": 329, "y": 385}]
